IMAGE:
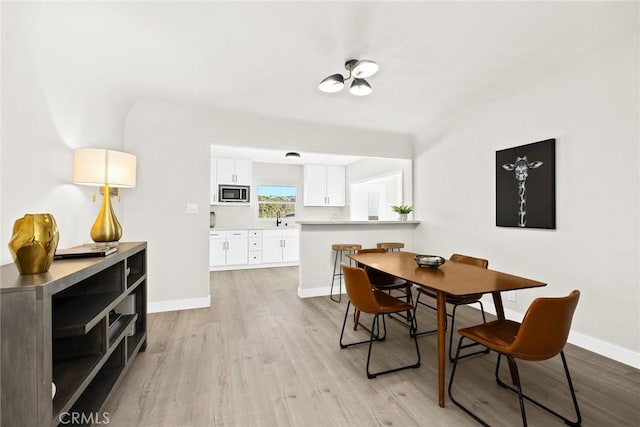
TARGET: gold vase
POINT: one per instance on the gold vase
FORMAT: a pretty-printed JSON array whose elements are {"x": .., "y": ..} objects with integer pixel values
[{"x": 34, "y": 242}]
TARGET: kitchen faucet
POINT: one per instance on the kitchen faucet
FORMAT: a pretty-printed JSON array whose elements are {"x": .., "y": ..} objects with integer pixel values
[{"x": 278, "y": 220}]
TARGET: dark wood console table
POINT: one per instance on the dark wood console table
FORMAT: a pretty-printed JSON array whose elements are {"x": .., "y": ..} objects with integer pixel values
[{"x": 78, "y": 326}]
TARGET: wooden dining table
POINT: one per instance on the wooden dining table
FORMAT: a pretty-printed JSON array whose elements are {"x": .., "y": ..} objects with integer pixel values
[{"x": 451, "y": 278}]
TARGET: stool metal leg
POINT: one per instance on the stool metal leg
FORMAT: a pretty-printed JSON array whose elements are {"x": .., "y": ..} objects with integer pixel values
[{"x": 333, "y": 278}]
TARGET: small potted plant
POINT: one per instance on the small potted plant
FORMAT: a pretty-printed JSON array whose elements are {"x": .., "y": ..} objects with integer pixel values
[{"x": 402, "y": 211}]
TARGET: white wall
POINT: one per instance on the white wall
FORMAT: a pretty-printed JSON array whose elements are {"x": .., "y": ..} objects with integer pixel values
[
  {"x": 592, "y": 109},
  {"x": 173, "y": 144},
  {"x": 40, "y": 128}
]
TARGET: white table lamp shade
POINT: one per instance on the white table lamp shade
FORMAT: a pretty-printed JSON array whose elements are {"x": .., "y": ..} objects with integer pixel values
[{"x": 97, "y": 166}]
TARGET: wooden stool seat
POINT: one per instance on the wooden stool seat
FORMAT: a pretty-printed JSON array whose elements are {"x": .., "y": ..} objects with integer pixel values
[
  {"x": 345, "y": 247},
  {"x": 390, "y": 245},
  {"x": 340, "y": 249}
]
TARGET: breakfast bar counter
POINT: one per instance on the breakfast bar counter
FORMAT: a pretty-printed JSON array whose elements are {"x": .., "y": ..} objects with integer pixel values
[
  {"x": 316, "y": 238},
  {"x": 367, "y": 223}
]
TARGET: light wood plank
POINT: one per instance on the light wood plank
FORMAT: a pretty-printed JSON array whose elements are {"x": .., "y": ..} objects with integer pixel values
[{"x": 260, "y": 356}]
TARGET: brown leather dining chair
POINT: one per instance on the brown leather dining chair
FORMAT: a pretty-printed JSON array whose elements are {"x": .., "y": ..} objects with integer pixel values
[
  {"x": 541, "y": 335},
  {"x": 456, "y": 301},
  {"x": 367, "y": 300},
  {"x": 386, "y": 283}
]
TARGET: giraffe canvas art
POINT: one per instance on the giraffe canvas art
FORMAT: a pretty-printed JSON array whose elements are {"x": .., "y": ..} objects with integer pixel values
[{"x": 525, "y": 186}]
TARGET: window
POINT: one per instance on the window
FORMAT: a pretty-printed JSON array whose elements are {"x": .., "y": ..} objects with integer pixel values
[{"x": 274, "y": 199}]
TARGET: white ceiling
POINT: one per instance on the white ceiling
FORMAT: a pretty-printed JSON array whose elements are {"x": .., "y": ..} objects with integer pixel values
[{"x": 436, "y": 58}]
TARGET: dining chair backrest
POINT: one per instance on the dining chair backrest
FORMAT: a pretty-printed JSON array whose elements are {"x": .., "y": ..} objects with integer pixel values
[
  {"x": 371, "y": 251},
  {"x": 359, "y": 289},
  {"x": 465, "y": 259},
  {"x": 376, "y": 277},
  {"x": 545, "y": 328}
]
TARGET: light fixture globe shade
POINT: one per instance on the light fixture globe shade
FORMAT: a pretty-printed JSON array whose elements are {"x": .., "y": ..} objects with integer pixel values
[
  {"x": 333, "y": 83},
  {"x": 360, "y": 87},
  {"x": 364, "y": 68}
]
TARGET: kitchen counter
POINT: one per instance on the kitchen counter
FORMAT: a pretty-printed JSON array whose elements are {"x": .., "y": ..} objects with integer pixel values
[
  {"x": 257, "y": 227},
  {"x": 316, "y": 238},
  {"x": 335, "y": 222}
]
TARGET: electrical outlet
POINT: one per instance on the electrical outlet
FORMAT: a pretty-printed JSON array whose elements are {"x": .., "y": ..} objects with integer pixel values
[{"x": 511, "y": 296}]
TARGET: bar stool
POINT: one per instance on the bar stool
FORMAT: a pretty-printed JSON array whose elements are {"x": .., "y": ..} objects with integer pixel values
[
  {"x": 340, "y": 249},
  {"x": 390, "y": 246}
]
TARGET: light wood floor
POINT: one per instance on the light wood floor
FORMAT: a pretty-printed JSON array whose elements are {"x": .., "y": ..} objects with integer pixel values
[{"x": 260, "y": 356}]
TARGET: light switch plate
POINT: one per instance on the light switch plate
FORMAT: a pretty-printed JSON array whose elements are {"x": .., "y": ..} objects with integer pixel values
[{"x": 192, "y": 208}]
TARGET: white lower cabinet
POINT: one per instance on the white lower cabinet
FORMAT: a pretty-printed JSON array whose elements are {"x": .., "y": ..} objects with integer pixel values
[
  {"x": 237, "y": 249},
  {"x": 279, "y": 246},
  {"x": 228, "y": 247}
]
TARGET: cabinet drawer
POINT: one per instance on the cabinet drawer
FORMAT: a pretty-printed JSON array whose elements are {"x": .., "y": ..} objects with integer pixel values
[
  {"x": 255, "y": 233},
  {"x": 255, "y": 244},
  {"x": 255, "y": 257},
  {"x": 228, "y": 234},
  {"x": 237, "y": 234}
]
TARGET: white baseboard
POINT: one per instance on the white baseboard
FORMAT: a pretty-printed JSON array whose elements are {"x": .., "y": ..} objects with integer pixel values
[
  {"x": 253, "y": 266},
  {"x": 181, "y": 304},
  {"x": 323, "y": 291},
  {"x": 595, "y": 345}
]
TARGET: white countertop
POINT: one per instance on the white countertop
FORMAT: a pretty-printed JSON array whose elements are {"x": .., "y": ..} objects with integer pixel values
[
  {"x": 266, "y": 227},
  {"x": 337, "y": 222}
]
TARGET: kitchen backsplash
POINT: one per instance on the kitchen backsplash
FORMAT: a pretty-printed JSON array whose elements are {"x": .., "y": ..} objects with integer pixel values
[{"x": 246, "y": 216}]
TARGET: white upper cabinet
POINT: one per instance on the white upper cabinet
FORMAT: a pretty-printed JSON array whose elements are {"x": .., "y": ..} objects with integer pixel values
[
  {"x": 324, "y": 185},
  {"x": 233, "y": 171}
]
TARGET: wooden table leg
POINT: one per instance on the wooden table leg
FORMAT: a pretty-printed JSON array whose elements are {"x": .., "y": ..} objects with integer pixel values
[
  {"x": 497, "y": 302},
  {"x": 442, "y": 317}
]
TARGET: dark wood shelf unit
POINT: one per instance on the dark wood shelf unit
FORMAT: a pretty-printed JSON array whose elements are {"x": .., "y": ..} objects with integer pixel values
[
  {"x": 119, "y": 327},
  {"x": 76, "y": 315},
  {"x": 55, "y": 328},
  {"x": 135, "y": 343},
  {"x": 69, "y": 377},
  {"x": 135, "y": 267},
  {"x": 101, "y": 386}
]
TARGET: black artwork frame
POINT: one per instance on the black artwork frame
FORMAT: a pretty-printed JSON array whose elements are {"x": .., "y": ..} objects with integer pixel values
[{"x": 528, "y": 171}]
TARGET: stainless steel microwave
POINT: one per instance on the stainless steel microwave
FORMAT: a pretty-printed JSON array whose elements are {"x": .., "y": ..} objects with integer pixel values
[{"x": 233, "y": 193}]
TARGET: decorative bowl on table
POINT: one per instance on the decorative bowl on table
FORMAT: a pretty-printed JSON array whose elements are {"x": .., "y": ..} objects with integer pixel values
[{"x": 431, "y": 261}]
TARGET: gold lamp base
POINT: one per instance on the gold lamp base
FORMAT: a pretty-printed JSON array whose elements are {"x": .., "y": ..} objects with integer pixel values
[{"x": 106, "y": 228}]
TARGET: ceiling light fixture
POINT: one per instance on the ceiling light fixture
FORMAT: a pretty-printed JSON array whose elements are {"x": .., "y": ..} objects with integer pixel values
[{"x": 358, "y": 70}]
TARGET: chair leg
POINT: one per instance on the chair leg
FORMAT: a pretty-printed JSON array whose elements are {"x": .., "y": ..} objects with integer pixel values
[
  {"x": 472, "y": 344},
  {"x": 578, "y": 420},
  {"x": 406, "y": 318},
  {"x": 458, "y": 404},
  {"x": 371, "y": 375},
  {"x": 415, "y": 311},
  {"x": 376, "y": 335}
]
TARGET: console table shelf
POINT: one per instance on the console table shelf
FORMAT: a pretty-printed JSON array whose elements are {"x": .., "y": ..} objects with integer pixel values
[
  {"x": 77, "y": 315},
  {"x": 78, "y": 326}
]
